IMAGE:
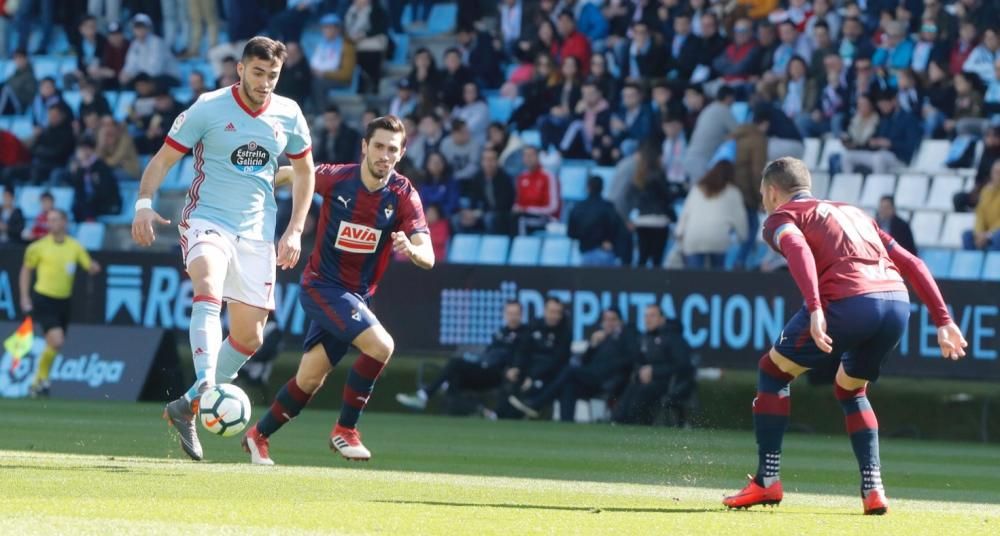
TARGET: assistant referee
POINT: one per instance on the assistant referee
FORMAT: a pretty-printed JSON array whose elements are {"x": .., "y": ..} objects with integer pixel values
[{"x": 55, "y": 257}]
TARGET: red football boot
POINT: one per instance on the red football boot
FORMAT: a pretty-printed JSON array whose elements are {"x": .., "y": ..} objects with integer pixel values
[
  {"x": 257, "y": 446},
  {"x": 753, "y": 494},
  {"x": 875, "y": 502},
  {"x": 347, "y": 441}
]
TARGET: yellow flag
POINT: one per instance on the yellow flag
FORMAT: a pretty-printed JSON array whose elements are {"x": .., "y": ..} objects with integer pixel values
[{"x": 19, "y": 344}]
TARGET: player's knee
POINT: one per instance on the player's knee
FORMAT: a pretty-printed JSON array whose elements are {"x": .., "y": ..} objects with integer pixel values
[
  {"x": 55, "y": 339},
  {"x": 383, "y": 349},
  {"x": 310, "y": 382},
  {"x": 248, "y": 342}
]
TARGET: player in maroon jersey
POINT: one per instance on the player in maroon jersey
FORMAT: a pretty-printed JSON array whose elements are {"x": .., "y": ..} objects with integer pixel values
[
  {"x": 366, "y": 207},
  {"x": 856, "y": 308}
]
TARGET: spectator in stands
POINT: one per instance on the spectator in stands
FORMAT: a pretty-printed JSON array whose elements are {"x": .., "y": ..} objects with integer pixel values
[
  {"x": 767, "y": 41},
  {"x": 52, "y": 146},
  {"x": 896, "y": 227},
  {"x": 156, "y": 125},
  {"x": 797, "y": 93},
  {"x": 48, "y": 96},
  {"x": 243, "y": 21},
  {"x": 980, "y": 61},
  {"x": 545, "y": 352},
  {"x": 112, "y": 59},
  {"x": 713, "y": 44},
  {"x": 863, "y": 125},
  {"x": 96, "y": 189},
  {"x": 965, "y": 201},
  {"x": 173, "y": 21},
  {"x": 928, "y": 47},
  {"x": 712, "y": 212},
  {"x": 202, "y": 13},
  {"x": 19, "y": 89},
  {"x": 477, "y": 372},
  {"x": 828, "y": 115},
  {"x": 714, "y": 125},
  {"x": 664, "y": 367},
  {"x": 611, "y": 352},
  {"x": 196, "y": 87},
  {"x": 962, "y": 48},
  {"x": 474, "y": 112},
  {"x": 405, "y": 102},
  {"x": 539, "y": 94},
  {"x": 896, "y": 51},
  {"x": 594, "y": 224},
  {"x": 553, "y": 124},
  {"x": 438, "y": 186},
  {"x": 424, "y": 79},
  {"x": 148, "y": 53},
  {"x": 89, "y": 49},
  {"x": 673, "y": 149},
  {"x": 751, "y": 157},
  {"x": 333, "y": 61},
  {"x": 440, "y": 233},
  {"x": 985, "y": 233},
  {"x": 508, "y": 146},
  {"x": 336, "y": 142},
  {"x": 288, "y": 24},
  {"x": 791, "y": 44},
  {"x": 573, "y": 43},
  {"x": 40, "y": 227},
  {"x": 633, "y": 122},
  {"x": 487, "y": 205},
  {"x": 939, "y": 104},
  {"x": 822, "y": 46},
  {"x": 783, "y": 137},
  {"x": 909, "y": 94},
  {"x": 462, "y": 152},
  {"x": 591, "y": 119},
  {"x": 738, "y": 62},
  {"x": 649, "y": 203},
  {"x": 295, "y": 81},
  {"x": 967, "y": 119},
  {"x": 853, "y": 43},
  {"x": 454, "y": 76},
  {"x": 13, "y": 154},
  {"x": 116, "y": 148},
  {"x": 536, "y": 200},
  {"x": 11, "y": 219},
  {"x": 515, "y": 23},
  {"x": 92, "y": 100},
  {"x": 367, "y": 26},
  {"x": 428, "y": 140},
  {"x": 607, "y": 83},
  {"x": 642, "y": 58},
  {"x": 828, "y": 16},
  {"x": 547, "y": 38},
  {"x": 894, "y": 142},
  {"x": 484, "y": 61}
]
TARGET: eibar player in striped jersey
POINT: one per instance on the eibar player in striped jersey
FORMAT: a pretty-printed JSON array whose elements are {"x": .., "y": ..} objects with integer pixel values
[
  {"x": 369, "y": 211},
  {"x": 227, "y": 226},
  {"x": 851, "y": 275}
]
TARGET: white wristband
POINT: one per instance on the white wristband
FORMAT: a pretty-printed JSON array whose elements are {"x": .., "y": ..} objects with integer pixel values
[{"x": 143, "y": 202}]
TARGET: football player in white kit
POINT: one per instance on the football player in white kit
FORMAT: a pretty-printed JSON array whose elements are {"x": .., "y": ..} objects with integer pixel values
[{"x": 236, "y": 134}]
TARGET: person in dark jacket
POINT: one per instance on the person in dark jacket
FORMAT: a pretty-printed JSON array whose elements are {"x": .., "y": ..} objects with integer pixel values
[
  {"x": 897, "y": 227},
  {"x": 545, "y": 352},
  {"x": 53, "y": 146},
  {"x": 665, "y": 367},
  {"x": 296, "y": 79},
  {"x": 96, "y": 189},
  {"x": 487, "y": 207},
  {"x": 652, "y": 197},
  {"x": 478, "y": 53},
  {"x": 607, "y": 361},
  {"x": 476, "y": 372},
  {"x": 11, "y": 219},
  {"x": 966, "y": 201},
  {"x": 595, "y": 223},
  {"x": 335, "y": 141},
  {"x": 895, "y": 140}
]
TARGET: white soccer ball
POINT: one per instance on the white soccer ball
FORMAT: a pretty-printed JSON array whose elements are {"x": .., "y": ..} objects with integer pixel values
[{"x": 224, "y": 410}]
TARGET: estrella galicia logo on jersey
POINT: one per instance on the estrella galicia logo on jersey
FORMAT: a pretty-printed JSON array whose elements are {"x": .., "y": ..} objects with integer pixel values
[{"x": 250, "y": 158}]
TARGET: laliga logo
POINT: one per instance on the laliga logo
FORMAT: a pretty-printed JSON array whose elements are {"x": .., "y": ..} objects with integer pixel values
[{"x": 92, "y": 371}]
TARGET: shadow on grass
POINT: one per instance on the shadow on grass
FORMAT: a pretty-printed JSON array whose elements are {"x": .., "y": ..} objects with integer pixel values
[{"x": 587, "y": 509}]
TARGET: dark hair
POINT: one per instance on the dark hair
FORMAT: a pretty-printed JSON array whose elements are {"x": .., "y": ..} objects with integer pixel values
[
  {"x": 87, "y": 141},
  {"x": 512, "y": 302},
  {"x": 553, "y": 299},
  {"x": 821, "y": 24},
  {"x": 264, "y": 48},
  {"x": 332, "y": 108},
  {"x": 567, "y": 13},
  {"x": 452, "y": 50},
  {"x": 889, "y": 198},
  {"x": 386, "y": 122},
  {"x": 8, "y": 189},
  {"x": 724, "y": 93},
  {"x": 787, "y": 174},
  {"x": 47, "y": 195},
  {"x": 647, "y": 164},
  {"x": 458, "y": 124},
  {"x": 713, "y": 182},
  {"x": 60, "y": 212},
  {"x": 595, "y": 185},
  {"x": 614, "y": 311}
]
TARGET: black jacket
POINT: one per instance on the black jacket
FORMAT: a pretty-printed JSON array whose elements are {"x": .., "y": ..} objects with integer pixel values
[
  {"x": 97, "y": 192},
  {"x": 484, "y": 60},
  {"x": 690, "y": 56},
  {"x": 502, "y": 187},
  {"x": 593, "y": 221},
  {"x": 344, "y": 147},
  {"x": 15, "y": 225},
  {"x": 666, "y": 351},
  {"x": 295, "y": 82},
  {"x": 55, "y": 145},
  {"x": 545, "y": 351},
  {"x": 503, "y": 348},
  {"x": 900, "y": 231},
  {"x": 612, "y": 359}
]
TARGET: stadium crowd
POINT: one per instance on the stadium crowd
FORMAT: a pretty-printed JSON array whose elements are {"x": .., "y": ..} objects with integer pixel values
[{"x": 686, "y": 98}]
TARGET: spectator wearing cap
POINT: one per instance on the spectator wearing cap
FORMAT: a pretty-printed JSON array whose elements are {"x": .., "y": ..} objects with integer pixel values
[
  {"x": 967, "y": 119},
  {"x": 11, "y": 218},
  {"x": 574, "y": 43},
  {"x": 828, "y": 115},
  {"x": 479, "y": 55},
  {"x": 985, "y": 233},
  {"x": 595, "y": 223},
  {"x": 891, "y": 223},
  {"x": 148, "y": 53},
  {"x": 894, "y": 142},
  {"x": 737, "y": 63},
  {"x": 19, "y": 89},
  {"x": 112, "y": 58},
  {"x": 712, "y": 42},
  {"x": 405, "y": 102},
  {"x": 474, "y": 112},
  {"x": 96, "y": 189},
  {"x": 333, "y": 60},
  {"x": 981, "y": 61},
  {"x": 296, "y": 79},
  {"x": 713, "y": 126},
  {"x": 896, "y": 51},
  {"x": 336, "y": 141},
  {"x": 288, "y": 24}
]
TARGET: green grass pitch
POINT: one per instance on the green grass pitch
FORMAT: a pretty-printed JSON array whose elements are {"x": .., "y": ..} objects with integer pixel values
[{"x": 109, "y": 468}]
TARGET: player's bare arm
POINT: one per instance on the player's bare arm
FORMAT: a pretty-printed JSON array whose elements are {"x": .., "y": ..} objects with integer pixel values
[
  {"x": 143, "y": 232},
  {"x": 303, "y": 186},
  {"x": 417, "y": 247},
  {"x": 24, "y": 282}
]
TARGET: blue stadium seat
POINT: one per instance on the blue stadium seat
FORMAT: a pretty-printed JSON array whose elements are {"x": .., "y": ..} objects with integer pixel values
[
  {"x": 47, "y": 66},
  {"x": 6, "y": 68},
  {"x": 967, "y": 265},
  {"x": 556, "y": 251},
  {"x": 605, "y": 172},
  {"x": 524, "y": 251},
  {"x": 349, "y": 90},
  {"x": 62, "y": 197},
  {"x": 531, "y": 137},
  {"x": 21, "y": 127},
  {"x": 27, "y": 198},
  {"x": 493, "y": 249},
  {"x": 938, "y": 261},
  {"x": 501, "y": 108},
  {"x": 575, "y": 257},
  {"x": 741, "y": 111},
  {"x": 443, "y": 19},
  {"x": 573, "y": 182},
  {"x": 123, "y": 104},
  {"x": 182, "y": 95},
  {"x": 91, "y": 235},
  {"x": 401, "y": 54},
  {"x": 464, "y": 248},
  {"x": 73, "y": 99},
  {"x": 991, "y": 268}
]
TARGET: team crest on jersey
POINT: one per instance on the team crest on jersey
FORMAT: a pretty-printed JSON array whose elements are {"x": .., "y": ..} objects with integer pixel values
[
  {"x": 388, "y": 211},
  {"x": 250, "y": 158},
  {"x": 355, "y": 238}
]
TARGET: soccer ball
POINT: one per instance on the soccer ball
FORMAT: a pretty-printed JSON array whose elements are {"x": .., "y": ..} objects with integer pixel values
[{"x": 224, "y": 410}]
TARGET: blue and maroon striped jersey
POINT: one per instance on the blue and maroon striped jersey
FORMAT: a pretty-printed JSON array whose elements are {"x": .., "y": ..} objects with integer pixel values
[{"x": 353, "y": 242}]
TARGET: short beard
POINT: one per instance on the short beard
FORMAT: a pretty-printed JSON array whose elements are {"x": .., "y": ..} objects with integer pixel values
[{"x": 375, "y": 172}]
